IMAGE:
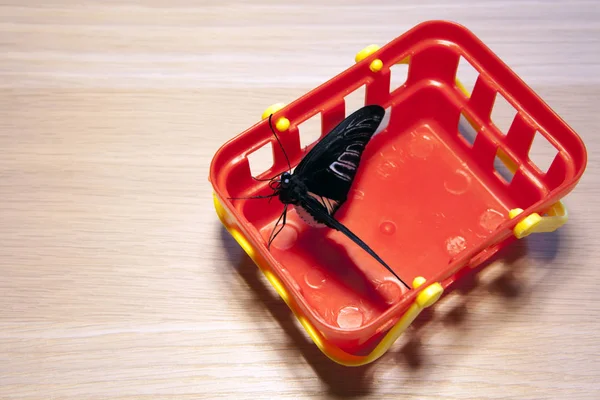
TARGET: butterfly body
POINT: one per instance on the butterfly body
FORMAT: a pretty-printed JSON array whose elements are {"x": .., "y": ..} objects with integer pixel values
[
  {"x": 320, "y": 183},
  {"x": 291, "y": 189}
]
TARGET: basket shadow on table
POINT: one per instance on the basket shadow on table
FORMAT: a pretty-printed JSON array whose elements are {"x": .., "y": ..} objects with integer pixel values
[{"x": 506, "y": 282}]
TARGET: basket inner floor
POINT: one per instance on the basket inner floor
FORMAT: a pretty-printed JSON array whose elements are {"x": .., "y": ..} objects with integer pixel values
[{"x": 417, "y": 201}]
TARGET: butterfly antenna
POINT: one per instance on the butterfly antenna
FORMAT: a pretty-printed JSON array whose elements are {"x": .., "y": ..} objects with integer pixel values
[
  {"x": 266, "y": 179},
  {"x": 273, "y": 233},
  {"x": 280, "y": 145},
  {"x": 253, "y": 197},
  {"x": 274, "y": 185}
]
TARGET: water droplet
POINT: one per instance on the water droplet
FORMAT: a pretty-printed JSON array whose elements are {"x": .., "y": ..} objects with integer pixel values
[
  {"x": 439, "y": 217},
  {"x": 456, "y": 244},
  {"x": 458, "y": 182},
  {"x": 491, "y": 219},
  {"x": 421, "y": 146},
  {"x": 390, "y": 291},
  {"x": 350, "y": 317},
  {"x": 388, "y": 227},
  {"x": 386, "y": 168},
  {"x": 286, "y": 238},
  {"x": 358, "y": 194},
  {"x": 315, "y": 278}
]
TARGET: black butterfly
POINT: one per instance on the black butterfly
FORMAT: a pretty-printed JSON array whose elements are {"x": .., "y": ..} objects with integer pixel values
[{"x": 320, "y": 183}]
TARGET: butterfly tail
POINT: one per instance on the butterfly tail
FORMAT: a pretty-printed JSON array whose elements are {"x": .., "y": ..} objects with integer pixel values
[
  {"x": 340, "y": 227},
  {"x": 337, "y": 225}
]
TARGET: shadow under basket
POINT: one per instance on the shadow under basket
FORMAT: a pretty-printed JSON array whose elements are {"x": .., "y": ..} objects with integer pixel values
[{"x": 440, "y": 188}]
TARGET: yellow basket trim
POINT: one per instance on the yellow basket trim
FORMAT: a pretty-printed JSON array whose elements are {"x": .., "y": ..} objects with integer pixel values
[
  {"x": 429, "y": 295},
  {"x": 556, "y": 217},
  {"x": 462, "y": 87},
  {"x": 366, "y": 52},
  {"x": 276, "y": 283},
  {"x": 272, "y": 109},
  {"x": 219, "y": 208},
  {"x": 376, "y": 65},
  {"x": 418, "y": 281},
  {"x": 507, "y": 161},
  {"x": 282, "y": 124}
]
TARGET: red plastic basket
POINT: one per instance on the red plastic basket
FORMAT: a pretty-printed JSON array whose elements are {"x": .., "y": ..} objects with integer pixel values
[{"x": 428, "y": 200}]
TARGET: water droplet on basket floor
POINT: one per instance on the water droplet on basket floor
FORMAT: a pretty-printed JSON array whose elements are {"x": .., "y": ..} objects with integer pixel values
[
  {"x": 350, "y": 318},
  {"x": 315, "y": 278},
  {"x": 386, "y": 168},
  {"x": 421, "y": 145},
  {"x": 390, "y": 291},
  {"x": 358, "y": 194},
  {"x": 286, "y": 238},
  {"x": 491, "y": 219},
  {"x": 458, "y": 182},
  {"x": 456, "y": 244},
  {"x": 388, "y": 227}
]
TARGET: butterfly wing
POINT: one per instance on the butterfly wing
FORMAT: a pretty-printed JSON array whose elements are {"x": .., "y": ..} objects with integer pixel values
[
  {"x": 329, "y": 169},
  {"x": 319, "y": 213}
]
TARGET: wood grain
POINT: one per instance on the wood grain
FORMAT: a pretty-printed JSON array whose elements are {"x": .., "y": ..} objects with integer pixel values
[{"x": 116, "y": 278}]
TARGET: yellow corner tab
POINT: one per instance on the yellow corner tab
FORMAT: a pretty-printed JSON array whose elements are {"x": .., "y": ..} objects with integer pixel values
[
  {"x": 282, "y": 124},
  {"x": 366, "y": 52},
  {"x": 418, "y": 281},
  {"x": 556, "y": 217},
  {"x": 376, "y": 65},
  {"x": 273, "y": 108},
  {"x": 429, "y": 295}
]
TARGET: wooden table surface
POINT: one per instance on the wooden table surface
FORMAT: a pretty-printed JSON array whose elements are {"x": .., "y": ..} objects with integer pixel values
[{"x": 117, "y": 281}]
